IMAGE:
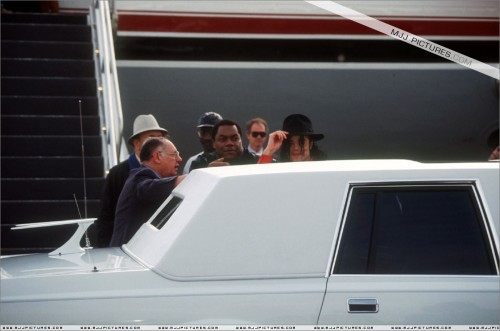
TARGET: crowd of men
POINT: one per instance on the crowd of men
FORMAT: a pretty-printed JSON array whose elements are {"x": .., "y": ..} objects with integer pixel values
[{"x": 136, "y": 187}]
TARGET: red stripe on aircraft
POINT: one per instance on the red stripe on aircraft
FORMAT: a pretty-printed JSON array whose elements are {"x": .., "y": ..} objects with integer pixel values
[{"x": 297, "y": 26}]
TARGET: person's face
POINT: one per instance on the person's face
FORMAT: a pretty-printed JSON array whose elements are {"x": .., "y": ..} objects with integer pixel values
[
  {"x": 258, "y": 130},
  {"x": 298, "y": 152},
  {"x": 227, "y": 142},
  {"x": 205, "y": 136},
  {"x": 141, "y": 138},
  {"x": 168, "y": 160}
]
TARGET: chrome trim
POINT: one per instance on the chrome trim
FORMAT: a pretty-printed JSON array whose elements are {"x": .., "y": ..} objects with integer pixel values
[{"x": 362, "y": 305}]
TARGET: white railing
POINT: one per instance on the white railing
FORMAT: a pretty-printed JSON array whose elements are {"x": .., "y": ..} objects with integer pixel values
[{"x": 109, "y": 91}]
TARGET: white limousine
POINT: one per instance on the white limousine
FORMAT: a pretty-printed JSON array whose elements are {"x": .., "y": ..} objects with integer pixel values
[{"x": 377, "y": 242}]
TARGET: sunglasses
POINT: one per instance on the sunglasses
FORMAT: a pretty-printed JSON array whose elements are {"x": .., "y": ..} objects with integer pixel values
[{"x": 255, "y": 134}]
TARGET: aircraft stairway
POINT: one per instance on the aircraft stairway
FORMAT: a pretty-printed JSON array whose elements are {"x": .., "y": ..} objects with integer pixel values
[{"x": 47, "y": 67}]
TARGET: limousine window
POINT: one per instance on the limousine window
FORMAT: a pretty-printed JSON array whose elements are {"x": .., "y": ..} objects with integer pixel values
[
  {"x": 164, "y": 215},
  {"x": 414, "y": 230}
]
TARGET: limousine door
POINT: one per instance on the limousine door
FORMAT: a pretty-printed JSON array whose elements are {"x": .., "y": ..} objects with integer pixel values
[{"x": 414, "y": 254}]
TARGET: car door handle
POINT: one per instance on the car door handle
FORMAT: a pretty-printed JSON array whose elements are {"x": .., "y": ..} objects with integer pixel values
[{"x": 362, "y": 305}]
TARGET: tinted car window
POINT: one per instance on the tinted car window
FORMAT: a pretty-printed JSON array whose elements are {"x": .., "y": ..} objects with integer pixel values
[
  {"x": 414, "y": 230},
  {"x": 161, "y": 219}
]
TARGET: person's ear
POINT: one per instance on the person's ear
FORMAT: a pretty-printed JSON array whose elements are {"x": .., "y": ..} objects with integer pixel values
[
  {"x": 137, "y": 145},
  {"x": 156, "y": 156}
]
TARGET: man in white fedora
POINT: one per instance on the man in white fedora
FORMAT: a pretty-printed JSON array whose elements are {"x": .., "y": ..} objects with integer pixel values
[{"x": 145, "y": 126}]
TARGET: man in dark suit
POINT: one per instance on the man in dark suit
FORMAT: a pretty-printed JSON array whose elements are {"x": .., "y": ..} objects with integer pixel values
[
  {"x": 145, "y": 126},
  {"x": 146, "y": 188}
]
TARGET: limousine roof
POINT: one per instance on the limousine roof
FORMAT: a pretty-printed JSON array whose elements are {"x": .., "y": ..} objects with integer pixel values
[{"x": 275, "y": 220}]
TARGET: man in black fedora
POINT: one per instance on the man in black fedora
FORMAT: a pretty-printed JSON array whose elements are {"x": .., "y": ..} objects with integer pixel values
[
  {"x": 296, "y": 141},
  {"x": 145, "y": 126}
]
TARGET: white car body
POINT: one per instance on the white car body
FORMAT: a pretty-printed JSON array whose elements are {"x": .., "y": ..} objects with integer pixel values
[{"x": 262, "y": 244}]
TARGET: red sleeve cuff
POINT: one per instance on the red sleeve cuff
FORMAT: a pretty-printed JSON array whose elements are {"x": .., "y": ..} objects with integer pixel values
[{"x": 265, "y": 159}]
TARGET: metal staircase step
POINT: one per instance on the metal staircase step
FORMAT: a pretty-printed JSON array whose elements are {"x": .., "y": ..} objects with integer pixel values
[
  {"x": 50, "y": 146},
  {"x": 49, "y": 188},
  {"x": 47, "y": 50},
  {"x": 51, "y": 166},
  {"x": 32, "y": 211},
  {"x": 46, "y": 32},
  {"x": 45, "y": 18},
  {"x": 47, "y": 105},
  {"x": 32, "y": 125},
  {"x": 23, "y": 6},
  {"x": 48, "y": 86},
  {"x": 48, "y": 68}
]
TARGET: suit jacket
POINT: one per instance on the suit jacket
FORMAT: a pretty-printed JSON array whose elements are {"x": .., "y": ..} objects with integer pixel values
[
  {"x": 245, "y": 158},
  {"x": 142, "y": 195},
  {"x": 204, "y": 159},
  {"x": 201, "y": 160},
  {"x": 113, "y": 186}
]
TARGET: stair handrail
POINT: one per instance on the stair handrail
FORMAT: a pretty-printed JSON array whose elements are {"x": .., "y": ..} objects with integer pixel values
[{"x": 110, "y": 105}]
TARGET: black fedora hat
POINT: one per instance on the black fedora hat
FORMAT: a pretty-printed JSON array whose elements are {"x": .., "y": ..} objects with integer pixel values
[{"x": 300, "y": 125}]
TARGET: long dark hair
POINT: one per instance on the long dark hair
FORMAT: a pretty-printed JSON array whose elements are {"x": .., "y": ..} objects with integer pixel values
[{"x": 315, "y": 152}]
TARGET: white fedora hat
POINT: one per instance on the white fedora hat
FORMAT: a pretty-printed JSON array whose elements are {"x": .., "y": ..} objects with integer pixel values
[{"x": 143, "y": 123}]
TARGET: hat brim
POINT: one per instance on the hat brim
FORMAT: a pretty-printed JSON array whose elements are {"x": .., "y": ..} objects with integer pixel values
[
  {"x": 132, "y": 137},
  {"x": 313, "y": 136}
]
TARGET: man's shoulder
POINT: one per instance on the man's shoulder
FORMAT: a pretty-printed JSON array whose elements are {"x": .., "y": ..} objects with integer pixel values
[
  {"x": 249, "y": 155},
  {"x": 120, "y": 170},
  {"x": 246, "y": 158},
  {"x": 142, "y": 170},
  {"x": 146, "y": 175},
  {"x": 145, "y": 172},
  {"x": 121, "y": 165},
  {"x": 126, "y": 165},
  {"x": 205, "y": 157},
  {"x": 139, "y": 173}
]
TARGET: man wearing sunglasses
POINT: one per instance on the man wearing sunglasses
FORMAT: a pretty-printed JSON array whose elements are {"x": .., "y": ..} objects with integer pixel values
[{"x": 257, "y": 131}]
